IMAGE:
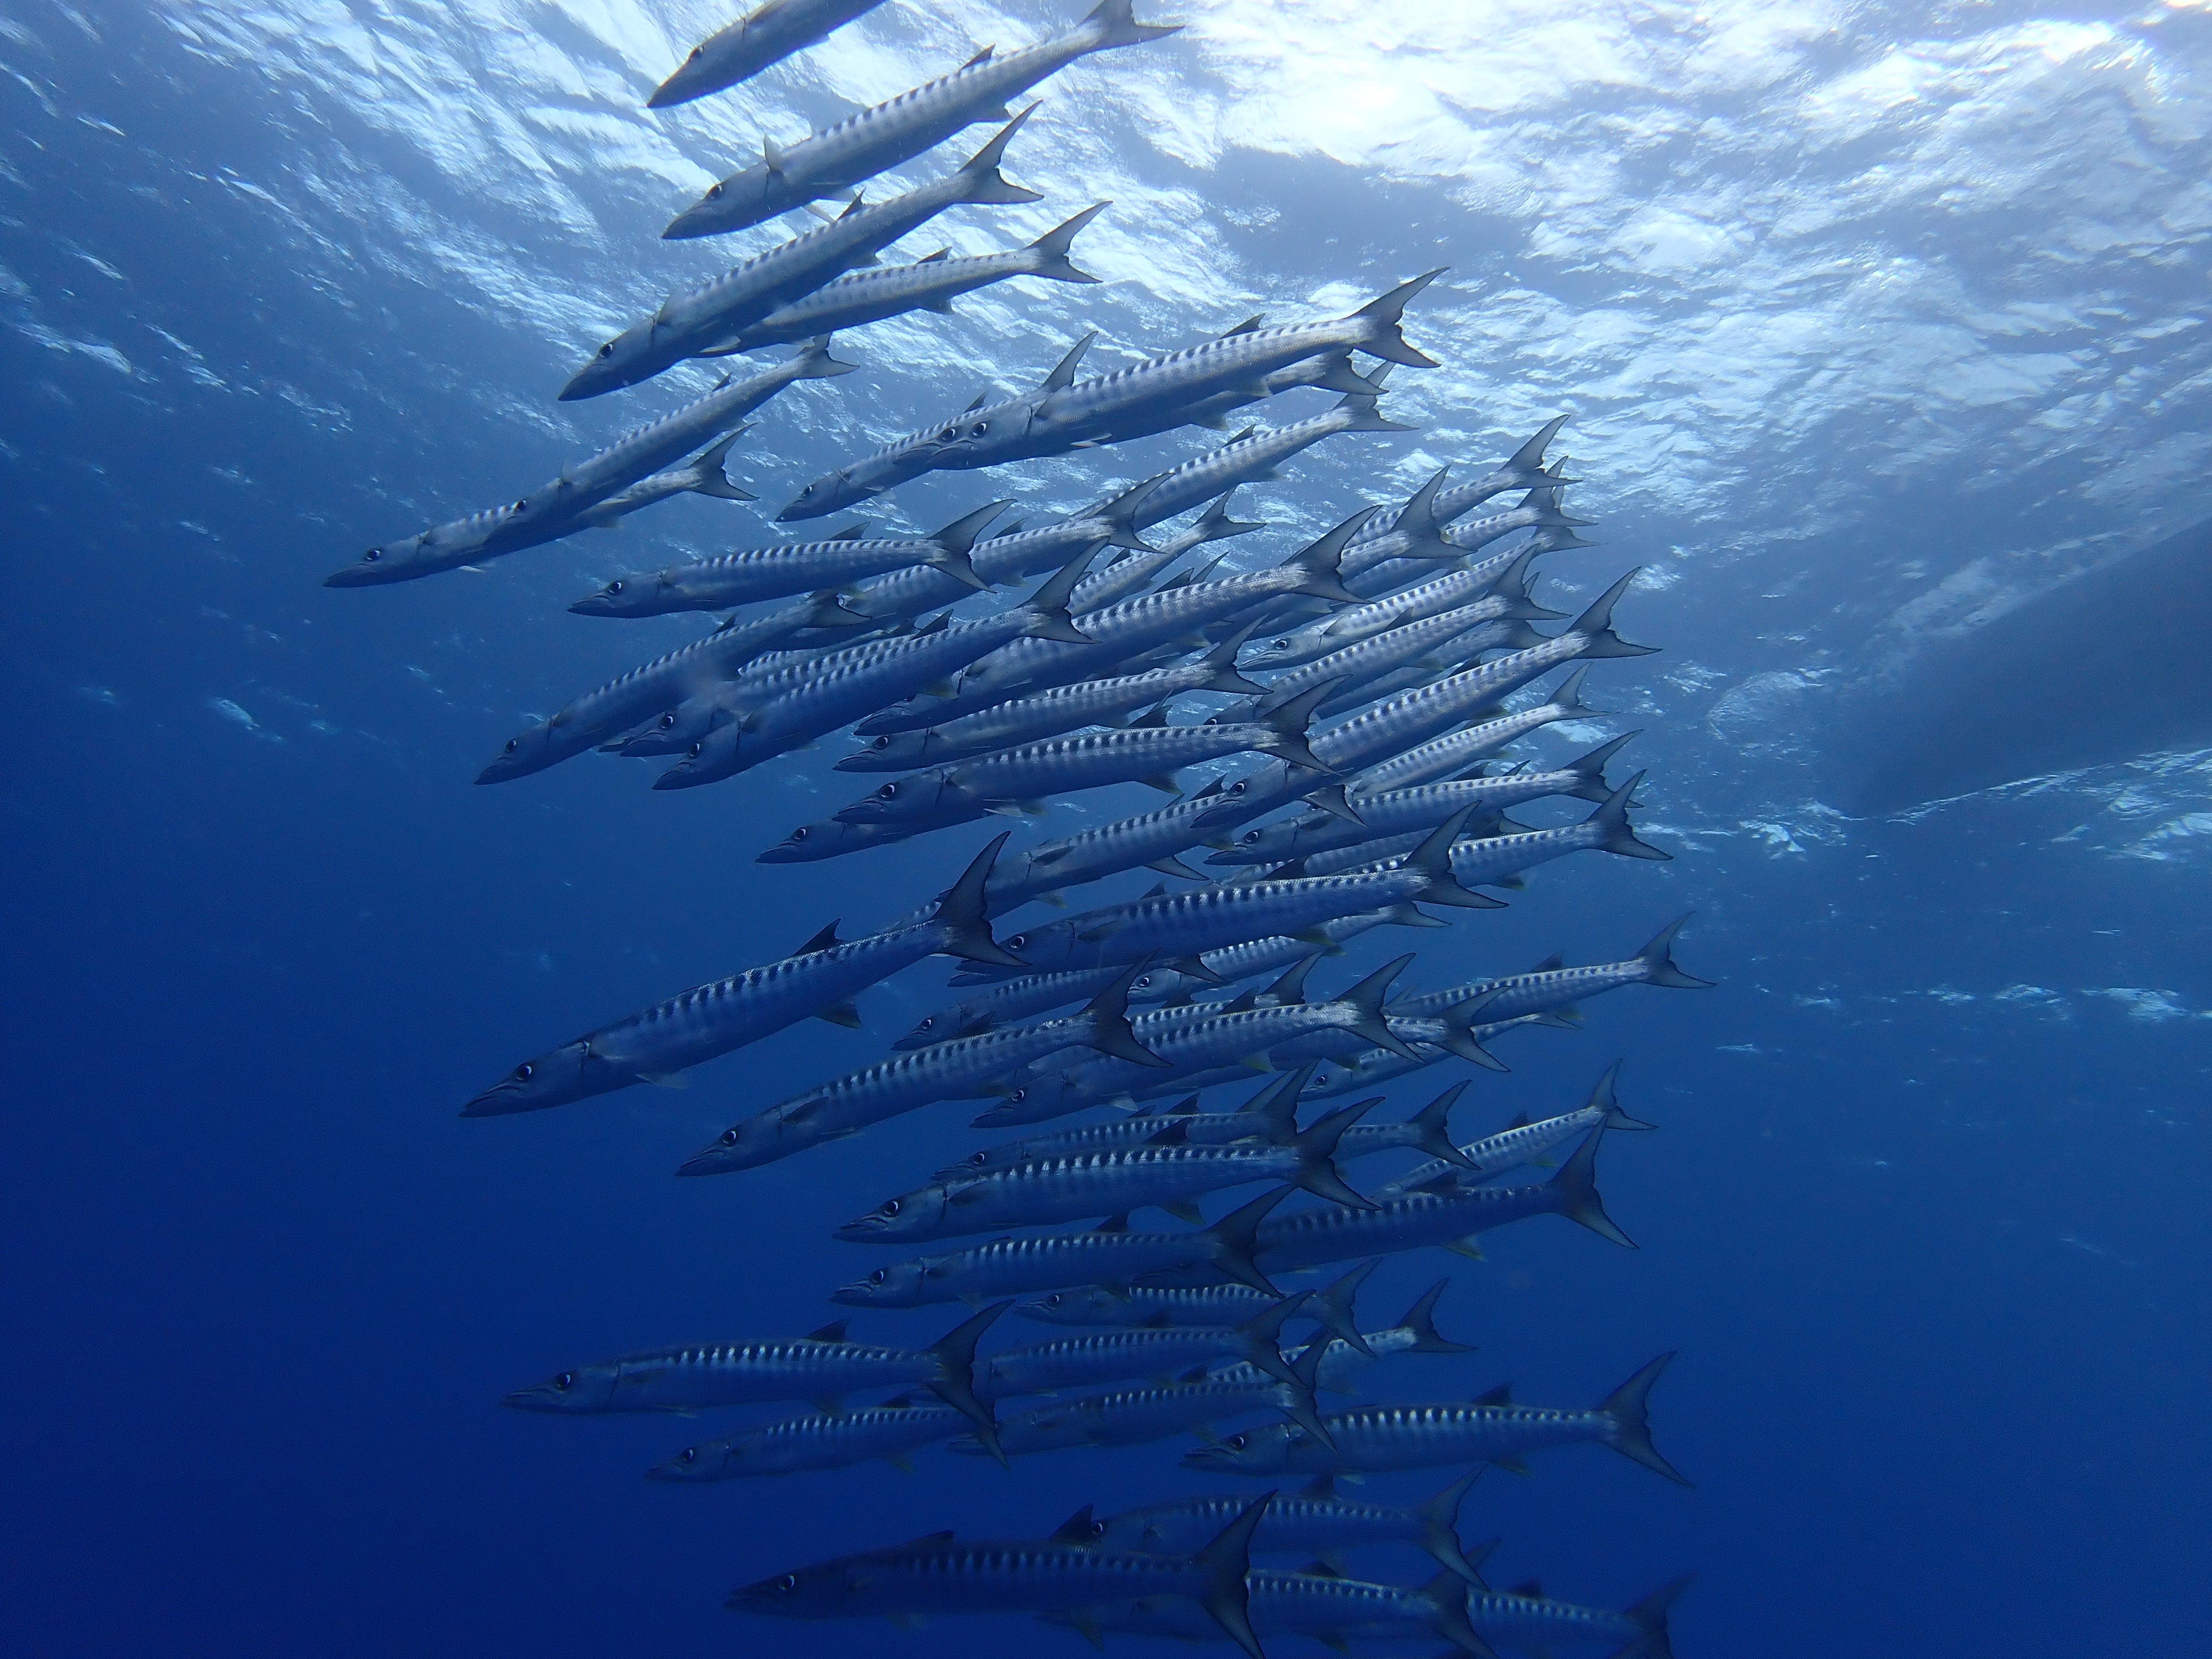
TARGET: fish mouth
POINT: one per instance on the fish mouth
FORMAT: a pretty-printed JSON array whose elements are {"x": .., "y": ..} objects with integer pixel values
[
  {"x": 362, "y": 574},
  {"x": 498, "y": 1101},
  {"x": 864, "y": 1231},
  {"x": 596, "y": 605},
  {"x": 717, "y": 1159},
  {"x": 537, "y": 1398}
]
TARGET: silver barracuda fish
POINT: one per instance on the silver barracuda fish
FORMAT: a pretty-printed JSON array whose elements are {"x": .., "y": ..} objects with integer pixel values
[
  {"x": 1268, "y": 956},
  {"x": 1401, "y": 811},
  {"x": 1006, "y": 1004},
  {"x": 1140, "y": 1304},
  {"x": 1317, "y": 1522},
  {"x": 826, "y": 838},
  {"x": 1335, "y": 1361},
  {"x": 1464, "y": 652},
  {"x": 583, "y": 722},
  {"x": 715, "y": 318},
  {"x": 1112, "y": 1255},
  {"x": 956, "y": 1070},
  {"x": 809, "y": 701},
  {"x": 1115, "y": 632},
  {"x": 1538, "y": 511},
  {"x": 1241, "y": 1033},
  {"x": 656, "y": 1044},
  {"x": 1523, "y": 469},
  {"x": 1063, "y": 709},
  {"x": 1362, "y": 1072},
  {"x": 1525, "y": 1617},
  {"x": 704, "y": 474},
  {"x": 1271, "y": 1115},
  {"x": 824, "y": 1367},
  {"x": 1148, "y": 750},
  {"x": 1515, "y": 1147},
  {"x": 1131, "y": 1417},
  {"x": 676, "y": 731},
  {"x": 788, "y": 568},
  {"x": 929, "y": 284},
  {"x": 1442, "y": 758},
  {"x": 939, "y": 1575},
  {"x": 883, "y": 136},
  {"x": 1552, "y": 987},
  {"x": 1412, "y": 717},
  {"x": 557, "y": 507},
  {"x": 1321, "y": 1605},
  {"x": 1174, "y": 927},
  {"x": 828, "y": 1440},
  {"x": 1491, "y": 1430},
  {"x": 1476, "y": 593},
  {"x": 1139, "y": 1351},
  {"x": 765, "y": 35}
]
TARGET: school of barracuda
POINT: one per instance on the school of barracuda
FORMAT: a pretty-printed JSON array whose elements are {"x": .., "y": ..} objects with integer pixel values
[{"x": 1363, "y": 679}]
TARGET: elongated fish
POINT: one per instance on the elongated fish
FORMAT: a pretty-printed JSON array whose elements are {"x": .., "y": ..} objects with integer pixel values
[
  {"x": 1316, "y": 1521},
  {"x": 656, "y": 1044},
  {"x": 1552, "y": 987},
  {"x": 883, "y": 135},
  {"x": 765, "y": 35},
  {"x": 1270, "y": 1115},
  {"x": 827, "y": 1440},
  {"x": 938, "y": 1575},
  {"x": 704, "y": 474},
  {"x": 1143, "y": 1351},
  {"x": 558, "y": 508},
  {"x": 1475, "y": 592},
  {"x": 824, "y": 1367},
  {"x": 1491, "y": 1430},
  {"x": 1525, "y": 1617},
  {"x": 1515, "y": 1147},
  {"x": 1324, "y": 1605},
  {"x": 1441, "y": 757}
]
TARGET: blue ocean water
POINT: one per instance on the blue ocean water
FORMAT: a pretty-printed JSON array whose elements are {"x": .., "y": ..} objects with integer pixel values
[{"x": 1870, "y": 319}]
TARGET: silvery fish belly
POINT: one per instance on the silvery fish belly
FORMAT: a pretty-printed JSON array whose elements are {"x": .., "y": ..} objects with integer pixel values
[
  {"x": 1133, "y": 1417},
  {"x": 825, "y": 1441},
  {"x": 1083, "y": 1362},
  {"x": 727, "y": 1374},
  {"x": 1205, "y": 1304}
]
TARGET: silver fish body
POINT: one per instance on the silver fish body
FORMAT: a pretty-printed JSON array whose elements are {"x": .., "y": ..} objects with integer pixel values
[
  {"x": 804, "y": 1445},
  {"x": 1322, "y": 1606},
  {"x": 1315, "y": 1522},
  {"x": 1441, "y": 757},
  {"x": 767, "y": 35}
]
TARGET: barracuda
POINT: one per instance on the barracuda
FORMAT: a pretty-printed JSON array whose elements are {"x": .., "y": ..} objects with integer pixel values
[
  {"x": 1115, "y": 633},
  {"x": 1336, "y": 1362},
  {"x": 1473, "y": 594},
  {"x": 557, "y": 508},
  {"x": 767, "y": 35},
  {"x": 1270, "y": 1115},
  {"x": 1005, "y": 1004},
  {"x": 930, "y": 284},
  {"x": 1319, "y": 1605},
  {"x": 960, "y": 1069},
  {"x": 1412, "y": 717},
  {"x": 717, "y": 315},
  {"x": 1177, "y": 926},
  {"x": 1362, "y": 1072},
  {"x": 1316, "y": 1521},
  {"x": 1514, "y": 1148},
  {"x": 664, "y": 683},
  {"x": 1147, "y": 841},
  {"x": 809, "y": 700},
  {"x": 788, "y": 568},
  {"x": 1525, "y": 1617},
  {"x": 1549, "y": 987},
  {"x": 1082, "y": 1362},
  {"x": 938, "y": 1574},
  {"x": 822, "y": 1368},
  {"x": 1063, "y": 709},
  {"x": 704, "y": 474},
  {"x": 883, "y": 136},
  {"x": 1014, "y": 1266},
  {"x": 804, "y": 1444},
  {"x": 1491, "y": 1430},
  {"x": 1243, "y": 1033},
  {"x": 1440, "y": 757},
  {"x": 1420, "y": 809},
  {"x": 658, "y": 1043},
  {"x": 1523, "y": 469},
  {"x": 1540, "y": 512}
]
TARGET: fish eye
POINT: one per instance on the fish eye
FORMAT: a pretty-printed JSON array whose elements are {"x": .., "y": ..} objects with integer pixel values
[
  {"x": 882, "y": 741},
  {"x": 689, "y": 1455},
  {"x": 1054, "y": 1300},
  {"x": 565, "y": 1382},
  {"x": 714, "y": 192},
  {"x": 668, "y": 719},
  {"x": 1019, "y": 1096},
  {"x": 1144, "y": 982},
  {"x": 1236, "y": 1443},
  {"x": 800, "y": 834},
  {"x": 1282, "y": 645},
  {"x": 891, "y": 1207},
  {"x": 696, "y": 51},
  {"x": 950, "y": 434},
  {"x": 524, "y": 1072},
  {"x": 809, "y": 490},
  {"x": 697, "y": 749},
  {"x": 1017, "y": 941},
  {"x": 1250, "y": 837},
  {"x": 979, "y": 428},
  {"x": 372, "y": 555},
  {"x": 878, "y": 1276},
  {"x": 608, "y": 349},
  {"x": 615, "y": 587},
  {"x": 729, "y": 1137},
  {"x": 513, "y": 744},
  {"x": 887, "y": 791}
]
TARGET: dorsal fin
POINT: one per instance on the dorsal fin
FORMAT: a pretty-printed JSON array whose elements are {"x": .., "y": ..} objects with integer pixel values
[
  {"x": 1249, "y": 326},
  {"x": 936, "y": 624},
  {"x": 851, "y": 533},
  {"x": 1550, "y": 964},
  {"x": 1077, "y": 1528},
  {"x": 1114, "y": 1223},
  {"x": 1063, "y": 373},
  {"x": 1528, "y": 1586},
  {"x": 982, "y": 57},
  {"x": 1321, "y": 1486},
  {"x": 833, "y": 1331},
  {"x": 1195, "y": 1374},
  {"x": 932, "y": 259},
  {"x": 1155, "y": 715},
  {"x": 1156, "y": 892},
  {"x": 1320, "y": 1569},
  {"x": 982, "y": 398},
  {"x": 1214, "y": 789},
  {"x": 1520, "y": 1121},
  {"x": 1159, "y": 1322},
  {"x": 927, "y": 1539},
  {"x": 823, "y": 940},
  {"x": 1182, "y": 1108},
  {"x": 1500, "y": 1395}
]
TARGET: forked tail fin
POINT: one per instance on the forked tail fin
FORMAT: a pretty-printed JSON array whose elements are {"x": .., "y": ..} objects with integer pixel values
[
  {"x": 965, "y": 912},
  {"x": 1365, "y": 999},
  {"x": 1658, "y": 959},
  {"x": 1108, "y": 1014},
  {"x": 814, "y": 362},
  {"x": 1112, "y": 23},
  {"x": 1234, "y": 1237},
  {"x": 1318, "y": 560},
  {"x": 1052, "y": 248},
  {"x": 1575, "y": 1194},
  {"x": 956, "y": 1381},
  {"x": 1432, "y": 857},
  {"x": 1382, "y": 313},
  {"x": 981, "y": 179},
  {"x": 1316, "y": 1149},
  {"x": 713, "y": 477},
  {"x": 1421, "y": 1319},
  {"x": 1439, "y": 1536},
  {"x": 1627, "y": 1411},
  {"x": 1611, "y": 820},
  {"x": 1227, "y": 1561},
  {"x": 1336, "y": 1312},
  {"x": 1595, "y": 624},
  {"x": 1047, "y": 607},
  {"x": 1432, "y": 1129}
]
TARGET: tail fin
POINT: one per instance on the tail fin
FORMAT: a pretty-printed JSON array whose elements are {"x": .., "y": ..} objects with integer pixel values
[
  {"x": 1234, "y": 1237},
  {"x": 1407, "y": 916},
  {"x": 1382, "y": 315},
  {"x": 1112, "y": 25},
  {"x": 1627, "y": 1407},
  {"x": 1048, "y": 606},
  {"x": 1417, "y": 520},
  {"x": 1574, "y": 1191},
  {"x": 1054, "y": 243},
  {"x": 1214, "y": 524},
  {"x": 1318, "y": 560},
  {"x": 980, "y": 175},
  {"x": 714, "y": 479},
  {"x": 1365, "y": 999},
  {"x": 1278, "y": 1104},
  {"x": 1262, "y": 1339},
  {"x": 1432, "y": 857},
  {"x": 1303, "y": 1406},
  {"x": 1512, "y": 586},
  {"x": 1611, "y": 818},
  {"x": 1439, "y": 1519},
  {"x": 1595, "y": 624},
  {"x": 1446, "y": 1594},
  {"x": 1460, "y": 1021},
  {"x": 1289, "y": 722},
  {"x": 1331, "y": 799},
  {"x": 965, "y": 912},
  {"x": 1361, "y": 412},
  {"x": 1421, "y": 1319},
  {"x": 1658, "y": 958},
  {"x": 1316, "y": 1149},
  {"x": 954, "y": 541},
  {"x": 1603, "y": 1099},
  {"x": 956, "y": 1381},
  {"x": 814, "y": 362},
  {"x": 1528, "y": 459},
  {"x": 1121, "y": 513},
  {"x": 1649, "y": 1616},
  {"x": 1221, "y": 663},
  {"x": 1432, "y": 1129},
  {"x": 1589, "y": 772},
  {"x": 1228, "y": 1559},
  {"x": 1568, "y": 699},
  {"x": 1109, "y": 1015},
  {"x": 1334, "y": 1309}
]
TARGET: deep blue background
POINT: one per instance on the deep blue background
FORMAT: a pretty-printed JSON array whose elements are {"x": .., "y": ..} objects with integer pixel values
[{"x": 1935, "y": 1267}]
